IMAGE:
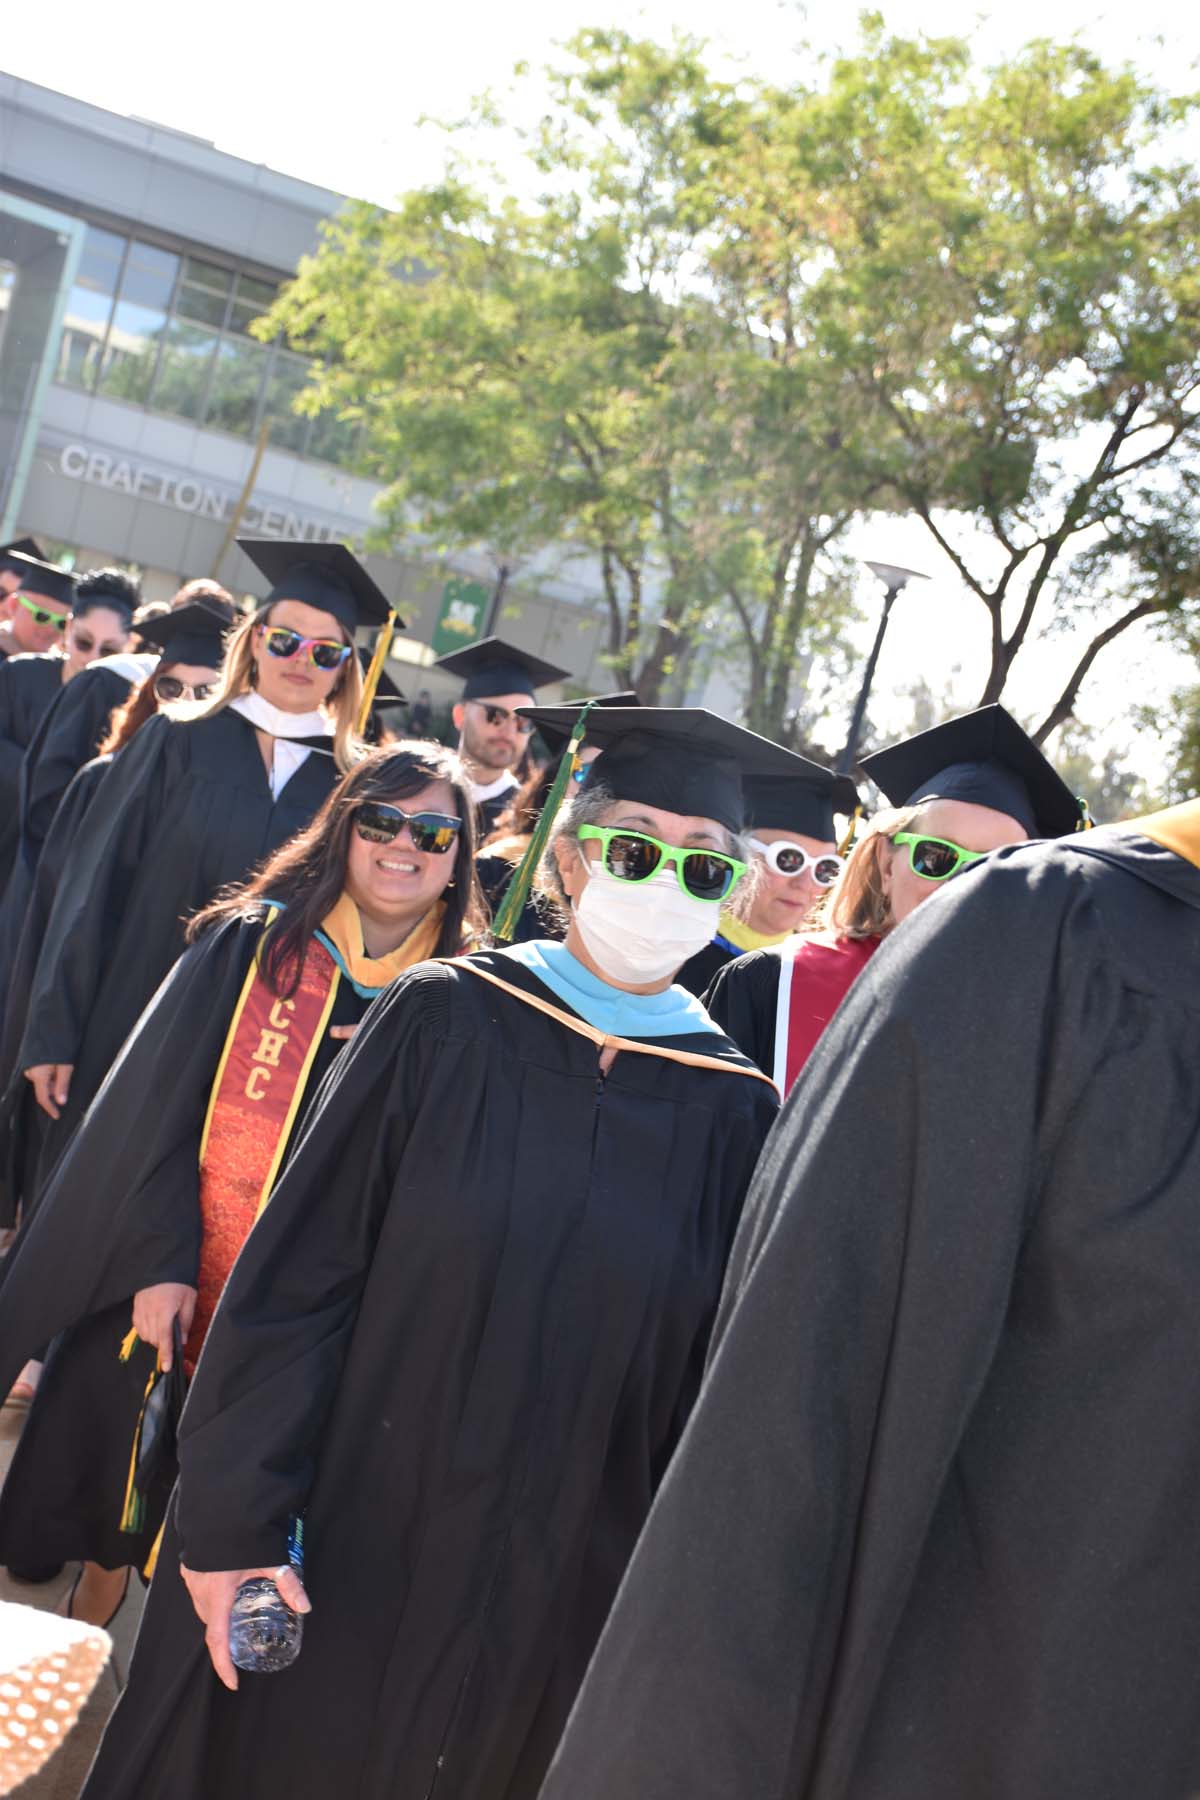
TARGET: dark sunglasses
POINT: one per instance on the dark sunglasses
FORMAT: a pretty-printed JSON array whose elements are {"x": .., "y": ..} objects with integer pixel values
[
  {"x": 169, "y": 687},
  {"x": 432, "y": 832},
  {"x": 40, "y": 616},
  {"x": 632, "y": 856},
  {"x": 500, "y": 715},
  {"x": 323, "y": 653}
]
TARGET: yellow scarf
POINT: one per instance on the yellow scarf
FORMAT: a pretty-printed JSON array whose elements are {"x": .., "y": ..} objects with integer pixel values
[
  {"x": 343, "y": 928},
  {"x": 1177, "y": 829},
  {"x": 739, "y": 934}
]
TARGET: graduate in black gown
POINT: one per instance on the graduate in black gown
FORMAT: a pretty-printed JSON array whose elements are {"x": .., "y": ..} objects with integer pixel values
[
  {"x": 139, "y": 1218},
  {"x": 195, "y": 802},
  {"x": 932, "y": 1533},
  {"x": 20, "y": 630},
  {"x": 492, "y": 735},
  {"x": 465, "y": 1334},
  {"x": 790, "y": 822}
]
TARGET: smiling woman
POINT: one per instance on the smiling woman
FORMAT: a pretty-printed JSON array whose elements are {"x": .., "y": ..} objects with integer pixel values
[{"x": 382, "y": 878}]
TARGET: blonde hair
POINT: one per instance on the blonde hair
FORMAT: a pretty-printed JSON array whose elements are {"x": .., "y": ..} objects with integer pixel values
[
  {"x": 237, "y": 678},
  {"x": 856, "y": 906}
]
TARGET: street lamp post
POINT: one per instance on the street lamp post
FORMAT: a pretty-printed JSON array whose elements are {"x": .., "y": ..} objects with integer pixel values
[{"x": 894, "y": 579}]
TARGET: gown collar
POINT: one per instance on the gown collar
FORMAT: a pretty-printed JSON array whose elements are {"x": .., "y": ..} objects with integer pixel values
[
  {"x": 673, "y": 1013},
  {"x": 277, "y": 723},
  {"x": 341, "y": 933}
]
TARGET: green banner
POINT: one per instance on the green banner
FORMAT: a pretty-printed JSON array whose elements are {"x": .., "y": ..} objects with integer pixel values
[{"x": 460, "y": 620}]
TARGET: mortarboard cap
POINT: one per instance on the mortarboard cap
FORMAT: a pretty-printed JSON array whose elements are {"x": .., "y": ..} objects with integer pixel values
[
  {"x": 986, "y": 759},
  {"x": 44, "y": 579},
  {"x": 557, "y": 737},
  {"x": 493, "y": 667},
  {"x": 192, "y": 633},
  {"x": 20, "y": 547},
  {"x": 803, "y": 800},
  {"x": 327, "y": 576},
  {"x": 681, "y": 758}
]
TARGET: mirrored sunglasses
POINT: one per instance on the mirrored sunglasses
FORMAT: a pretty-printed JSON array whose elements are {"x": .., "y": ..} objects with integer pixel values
[
  {"x": 39, "y": 614},
  {"x": 323, "y": 653},
  {"x": 794, "y": 859},
  {"x": 378, "y": 823},
  {"x": 935, "y": 859},
  {"x": 500, "y": 715},
  {"x": 632, "y": 856},
  {"x": 169, "y": 687}
]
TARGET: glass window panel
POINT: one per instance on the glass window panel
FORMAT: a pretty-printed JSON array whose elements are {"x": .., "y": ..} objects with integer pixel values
[
  {"x": 138, "y": 323},
  {"x": 289, "y": 376},
  {"x": 334, "y": 440},
  {"x": 89, "y": 307},
  {"x": 200, "y": 304},
  {"x": 183, "y": 370},
  {"x": 206, "y": 274},
  {"x": 237, "y": 378},
  {"x": 255, "y": 292}
]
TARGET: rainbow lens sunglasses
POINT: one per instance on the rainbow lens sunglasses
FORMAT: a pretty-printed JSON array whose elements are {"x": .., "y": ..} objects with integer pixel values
[
  {"x": 935, "y": 859},
  {"x": 632, "y": 856},
  {"x": 323, "y": 653},
  {"x": 40, "y": 616},
  {"x": 794, "y": 859},
  {"x": 432, "y": 832}
]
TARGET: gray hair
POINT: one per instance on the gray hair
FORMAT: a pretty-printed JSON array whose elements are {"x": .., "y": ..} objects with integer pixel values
[{"x": 590, "y": 805}]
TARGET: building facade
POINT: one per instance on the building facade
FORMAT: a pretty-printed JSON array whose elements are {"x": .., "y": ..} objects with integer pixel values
[{"x": 141, "y": 423}]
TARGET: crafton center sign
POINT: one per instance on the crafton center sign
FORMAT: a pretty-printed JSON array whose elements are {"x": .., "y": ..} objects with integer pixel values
[{"x": 186, "y": 494}]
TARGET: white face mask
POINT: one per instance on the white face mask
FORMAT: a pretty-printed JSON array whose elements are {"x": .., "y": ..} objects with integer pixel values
[{"x": 637, "y": 932}]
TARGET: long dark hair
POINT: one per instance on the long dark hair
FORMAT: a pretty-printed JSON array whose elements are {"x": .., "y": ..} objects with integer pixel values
[
  {"x": 308, "y": 873},
  {"x": 127, "y": 719}
]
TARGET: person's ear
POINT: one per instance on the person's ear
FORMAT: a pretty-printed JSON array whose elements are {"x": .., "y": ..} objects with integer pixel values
[
  {"x": 566, "y": 855},
  {"x": 459, "y": 715},
  {"x": 884, "y": 856}
]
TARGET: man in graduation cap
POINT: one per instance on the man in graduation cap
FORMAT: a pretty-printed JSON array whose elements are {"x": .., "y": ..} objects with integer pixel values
[
  {"x": 963, "y": 789},
  {"x": 932, "y": 1533},
  {"x": 37, "y": 625},
  {"x": 794, "y": 840},
  {"x": 492, "y": 735},
  {"x": 463, "y": 1337}
]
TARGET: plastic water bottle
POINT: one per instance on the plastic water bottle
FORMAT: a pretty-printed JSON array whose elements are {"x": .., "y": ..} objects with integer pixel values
[{"x": 264, "y": 1633}]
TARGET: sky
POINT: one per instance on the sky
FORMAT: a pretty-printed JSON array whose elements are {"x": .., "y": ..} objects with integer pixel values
[{"x": 345, "y": 96}]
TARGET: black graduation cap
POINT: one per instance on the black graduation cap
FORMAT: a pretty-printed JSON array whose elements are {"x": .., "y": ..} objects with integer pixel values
[
  {"x": 43, "y": 578},
  {"x": 982, "y": 757},
  {"x": 556, "y": 738},
  {"x": 192, "y": 633},
  {"x": 20, "y": 547},
  {"x": 493, "y": 667},
  {"x": 386, "y": 691},
  {"x": 681, "y": 758},
  {"x": 327, "y": 576},
  {"x": 804, "y": 800}
]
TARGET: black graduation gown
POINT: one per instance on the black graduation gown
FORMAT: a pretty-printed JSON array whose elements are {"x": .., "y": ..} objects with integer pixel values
[
  {"x": 463, "y": 1338},
  {"x": 186, "y": 809},
  {"x": 21, "y": 1118},
  {"x": 743, "y": 998},
  {"x": 28, "y": 684},
  {"x": 124, "y": 1202},
  {"x": 932, "y": 1533},
  {"x": 488, "y": 813},
  {"x": 699, "y": 971},
  {"x": 538, "y": 918}
]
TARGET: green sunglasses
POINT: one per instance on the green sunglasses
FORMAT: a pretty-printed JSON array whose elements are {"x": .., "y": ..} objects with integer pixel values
[
  {"x": 40, "y": 615},
  {"x": 632, "y": 856},
  {"x": 935, "y": 859}
]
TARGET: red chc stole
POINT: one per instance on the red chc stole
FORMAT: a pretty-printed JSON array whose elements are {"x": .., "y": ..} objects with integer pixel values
[
  {"x": 813, "y": 981},
  {"x": 259, "y": 1088}
]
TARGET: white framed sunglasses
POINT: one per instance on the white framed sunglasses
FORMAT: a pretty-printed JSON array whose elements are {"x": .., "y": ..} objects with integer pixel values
[{"x": 784, "y": 858}]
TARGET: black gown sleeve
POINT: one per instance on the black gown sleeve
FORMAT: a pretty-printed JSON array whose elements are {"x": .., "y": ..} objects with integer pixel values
[
  {"x": 68, "y": 736},
  {"x": 273, "y": 1357},
  {"x": 864, "y": 1300},
  {"x": 742, "y": 1000},
  {"x": 11, "y": 749},
  {"x": 121, "y": 1209},
  {"x": 96, "y": 878}
]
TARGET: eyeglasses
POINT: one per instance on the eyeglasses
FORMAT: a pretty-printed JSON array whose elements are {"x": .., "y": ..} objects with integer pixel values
[
  {"x": 84, "y": 642},
  {"x": 169, "y": 687},
  {"x": 500, "y": 715},
  {"x": 432, "y": 832},
  {"x": 323, "y": 653},
  {"x": 40, "y": 616},
  {"x": 794, "y": 859},
  {"x": 632, "y": 856},
  {"x": 935, "y": 859}
]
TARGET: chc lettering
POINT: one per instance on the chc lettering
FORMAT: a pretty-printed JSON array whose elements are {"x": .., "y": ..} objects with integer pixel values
[{"x": 271, "y": 1045}]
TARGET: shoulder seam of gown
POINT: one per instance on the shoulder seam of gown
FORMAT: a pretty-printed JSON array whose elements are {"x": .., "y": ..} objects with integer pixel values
[{"x": 604, "y": 1041}]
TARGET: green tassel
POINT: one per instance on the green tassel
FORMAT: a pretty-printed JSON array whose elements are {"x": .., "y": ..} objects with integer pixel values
[{"x": 517, "y": 891}]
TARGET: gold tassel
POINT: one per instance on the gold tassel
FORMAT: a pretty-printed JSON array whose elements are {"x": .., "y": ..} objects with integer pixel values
[
  {"x": 383, "y": 644},
  {"x": 847, "y": 843}
]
